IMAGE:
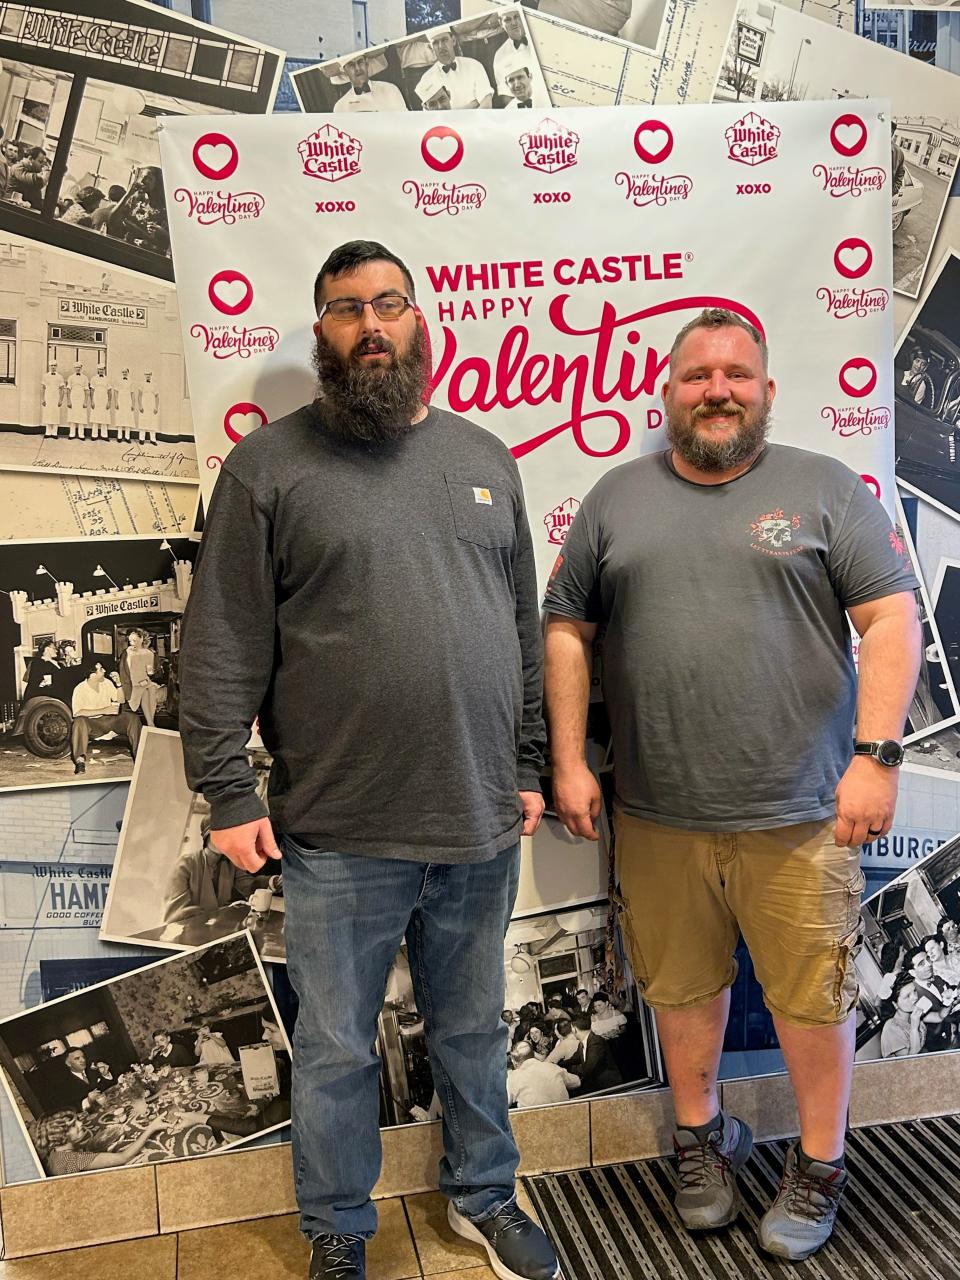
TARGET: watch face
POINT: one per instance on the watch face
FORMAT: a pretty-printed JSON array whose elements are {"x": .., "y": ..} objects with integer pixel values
[{"x": 889, "y": 752}]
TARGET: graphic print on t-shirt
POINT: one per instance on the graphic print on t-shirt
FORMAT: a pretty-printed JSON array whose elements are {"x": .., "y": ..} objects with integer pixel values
[{"x": 772, "y": 533}]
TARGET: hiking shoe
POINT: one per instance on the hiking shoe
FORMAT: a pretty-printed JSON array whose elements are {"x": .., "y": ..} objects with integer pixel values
[
  {"x": 515, "y": 1245},
  {"x": 338, "y": 1258},
  {"x": 708, "y": 1197},
  {"x": 801, "y": 1218}
]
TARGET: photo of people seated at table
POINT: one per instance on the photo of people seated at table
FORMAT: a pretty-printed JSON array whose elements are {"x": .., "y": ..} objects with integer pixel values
[
  {"x": 179, "y": 1058},
  {"x": 908, "y": 965},
  {"x": 171, "y": 885}
]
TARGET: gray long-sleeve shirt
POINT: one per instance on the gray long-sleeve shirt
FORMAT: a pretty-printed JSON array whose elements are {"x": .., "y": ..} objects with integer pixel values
[{"x": 377, "y": 608}]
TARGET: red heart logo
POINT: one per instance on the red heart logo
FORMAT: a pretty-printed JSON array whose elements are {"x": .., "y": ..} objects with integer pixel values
[
  {"x": 230, "y": 292},
  {"x": 240, "y": 419},
  {"x": 858, "y": 376},
  {"x": 853, "y": 258},
  {"x": 215, "y": 156},
  {"x": 656, "y": 142},
  {"x": 848, "y": 135},
  {"x": 441, "y": 148}
]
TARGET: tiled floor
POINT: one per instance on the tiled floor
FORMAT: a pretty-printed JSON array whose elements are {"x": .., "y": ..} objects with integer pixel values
[{"x": 413, "y": 1241}]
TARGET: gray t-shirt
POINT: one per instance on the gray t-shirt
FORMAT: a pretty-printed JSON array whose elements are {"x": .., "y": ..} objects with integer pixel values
[{"x": 727, "y": 662}]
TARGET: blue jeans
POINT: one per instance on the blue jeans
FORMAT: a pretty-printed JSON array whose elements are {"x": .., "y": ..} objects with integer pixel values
[{"x": 346, "y": 917}]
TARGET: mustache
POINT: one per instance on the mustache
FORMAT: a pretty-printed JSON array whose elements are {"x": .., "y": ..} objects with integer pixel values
[
  {"x": 374, "y": 345},
  {"x": 729, "y": 408}
]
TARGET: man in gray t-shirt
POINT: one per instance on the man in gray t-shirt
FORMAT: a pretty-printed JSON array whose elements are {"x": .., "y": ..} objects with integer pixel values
[{"x": 722, "y": 572}]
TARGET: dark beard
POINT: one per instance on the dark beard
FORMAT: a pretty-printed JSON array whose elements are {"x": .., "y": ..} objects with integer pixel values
[
  {"x": 715, "y": 456},
  {"x": 370, "y": 405}
]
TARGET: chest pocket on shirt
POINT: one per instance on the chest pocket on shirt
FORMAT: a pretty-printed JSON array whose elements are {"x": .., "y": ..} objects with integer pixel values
[{"x": 482, "y": 514}]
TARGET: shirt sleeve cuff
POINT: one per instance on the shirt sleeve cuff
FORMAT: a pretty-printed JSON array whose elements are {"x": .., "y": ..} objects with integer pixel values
[
  {"x": 234, "y": 811},
  {"x": 528, "y": 779}
]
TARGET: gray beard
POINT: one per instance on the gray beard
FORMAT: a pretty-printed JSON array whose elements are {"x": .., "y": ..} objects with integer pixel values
[
  {"x": 369, "y": 405},
  {"x": 712, "y": 456}
]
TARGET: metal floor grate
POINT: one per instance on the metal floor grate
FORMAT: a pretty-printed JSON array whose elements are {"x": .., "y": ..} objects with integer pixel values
[{"x": 900, "y": 1215}]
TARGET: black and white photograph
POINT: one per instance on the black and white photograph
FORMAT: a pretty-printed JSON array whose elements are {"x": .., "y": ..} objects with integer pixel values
[
  {"x": 638, "y": 21},
  {"x": 82, "y": 99},
  {"x": 935, "y": 702},
  {"x": 908, "y": 962},
  {"x": 791, "y": 56},
  {"x": 53, "y": 505},
  {"x": 92, "y": 376},
  {"x": 481, "y": 62},
  {"x": 576, "y": 1024},
  {"x": 183, "y": 1057},
  {"x": 89, "y": 654},
  {"x": 927, "y": 406},
  {"x": 171, "y": 888}
]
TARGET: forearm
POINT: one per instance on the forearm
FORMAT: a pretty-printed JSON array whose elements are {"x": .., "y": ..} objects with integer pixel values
[
  {"x": 888, "y": 667},
  {"x": 567, "y": 670}
]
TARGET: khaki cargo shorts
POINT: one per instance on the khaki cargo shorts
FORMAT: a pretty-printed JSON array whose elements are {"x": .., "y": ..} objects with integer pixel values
[{"x": 790, "y": 891}]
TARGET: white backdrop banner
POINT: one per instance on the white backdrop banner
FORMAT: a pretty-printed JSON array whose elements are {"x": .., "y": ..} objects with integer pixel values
[{"x": 554, "y": 260}]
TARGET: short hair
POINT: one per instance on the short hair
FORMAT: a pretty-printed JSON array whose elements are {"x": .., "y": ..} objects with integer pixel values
[
  {"x": 51, "y": 1131},
  {"x": 912, "y": 956},
  {"x": 116, "y": 192},
  {"x": 90, "y": 666},
  {"x": 348, "y": 257},
  {"x": 521, "y": 1051},
  {"x": 144, "y": 635},
  {"x": 931, "y": 937},
  {"x": 45, "y": 644},
  {"x": 582, "y": 991},
  {"x": 159, "y": 1032},
  {"x": 719, "y": 318},
  {"x": 564, "y": 1026},
  {"x": 581, "y": 1021}
]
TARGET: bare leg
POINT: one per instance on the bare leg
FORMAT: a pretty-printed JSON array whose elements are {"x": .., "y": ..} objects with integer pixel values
[
  {"x": 820, "y": 1062},
  {"x": 692, "y": 1041}
]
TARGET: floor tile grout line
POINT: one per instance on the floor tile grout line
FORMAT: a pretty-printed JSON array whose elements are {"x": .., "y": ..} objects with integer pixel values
[{"x": 416, "y": 1251}]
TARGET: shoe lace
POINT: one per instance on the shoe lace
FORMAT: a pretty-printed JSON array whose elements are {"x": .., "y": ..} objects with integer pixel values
[
  {"x": 810, "y": 1195},
  {"x": 337, "y": 1252},
  {"x": 511, "y": 1218},
  {"x": 697, "y": 1163}
]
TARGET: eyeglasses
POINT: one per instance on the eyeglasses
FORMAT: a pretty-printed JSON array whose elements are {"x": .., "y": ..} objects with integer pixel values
[{"x": 388, "y": 306}]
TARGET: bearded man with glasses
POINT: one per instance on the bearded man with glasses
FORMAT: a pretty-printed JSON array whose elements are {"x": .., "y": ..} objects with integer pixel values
[{"x": 366, "y": 586}]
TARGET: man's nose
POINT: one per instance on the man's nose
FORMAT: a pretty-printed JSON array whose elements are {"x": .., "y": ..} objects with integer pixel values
[
  {"x": 718, "y": 388},
  {"x": 369, "y": 321}
]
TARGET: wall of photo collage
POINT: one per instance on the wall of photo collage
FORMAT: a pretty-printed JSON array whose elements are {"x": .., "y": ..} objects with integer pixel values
[{"x": 105, "y": 459}]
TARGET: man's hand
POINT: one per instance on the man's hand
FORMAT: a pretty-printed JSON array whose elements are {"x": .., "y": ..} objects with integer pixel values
[
  {"x": 532, "y": 802},
  {"x": 247, "y": 846},
  {"x": 866, "y": 799},
  {"x": 577, "y": 799}
]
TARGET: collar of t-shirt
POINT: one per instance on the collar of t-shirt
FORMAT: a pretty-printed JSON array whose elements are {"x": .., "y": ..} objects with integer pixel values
[{"x": 667, "y": 456}]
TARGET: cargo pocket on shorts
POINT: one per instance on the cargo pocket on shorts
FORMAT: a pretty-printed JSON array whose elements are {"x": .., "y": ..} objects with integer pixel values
[
  {"x": 845, "y": 987},
  {"x": 629, "y": 934},
  {"x": 854, "y": 890}
]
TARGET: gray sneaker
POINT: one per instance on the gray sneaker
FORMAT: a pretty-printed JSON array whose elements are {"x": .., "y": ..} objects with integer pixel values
[
  {"x": 708, "y": 1197},
  {"x": 801, "y": 1218}
]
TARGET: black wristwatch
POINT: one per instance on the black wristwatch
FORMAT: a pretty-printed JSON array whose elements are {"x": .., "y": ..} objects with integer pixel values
[{"x": 886, "y": 752}]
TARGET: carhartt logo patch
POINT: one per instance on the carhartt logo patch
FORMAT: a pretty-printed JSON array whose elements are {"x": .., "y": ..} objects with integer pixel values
[{"x": 482, "y": 496}]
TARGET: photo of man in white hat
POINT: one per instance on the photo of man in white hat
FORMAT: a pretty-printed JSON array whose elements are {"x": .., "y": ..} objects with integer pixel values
[
  {"x": 432, "y": 92},
  {"x": 519, "y": 84},
  {"x": 365, "y": 94},
  {"x": 465, "y": 79}
]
